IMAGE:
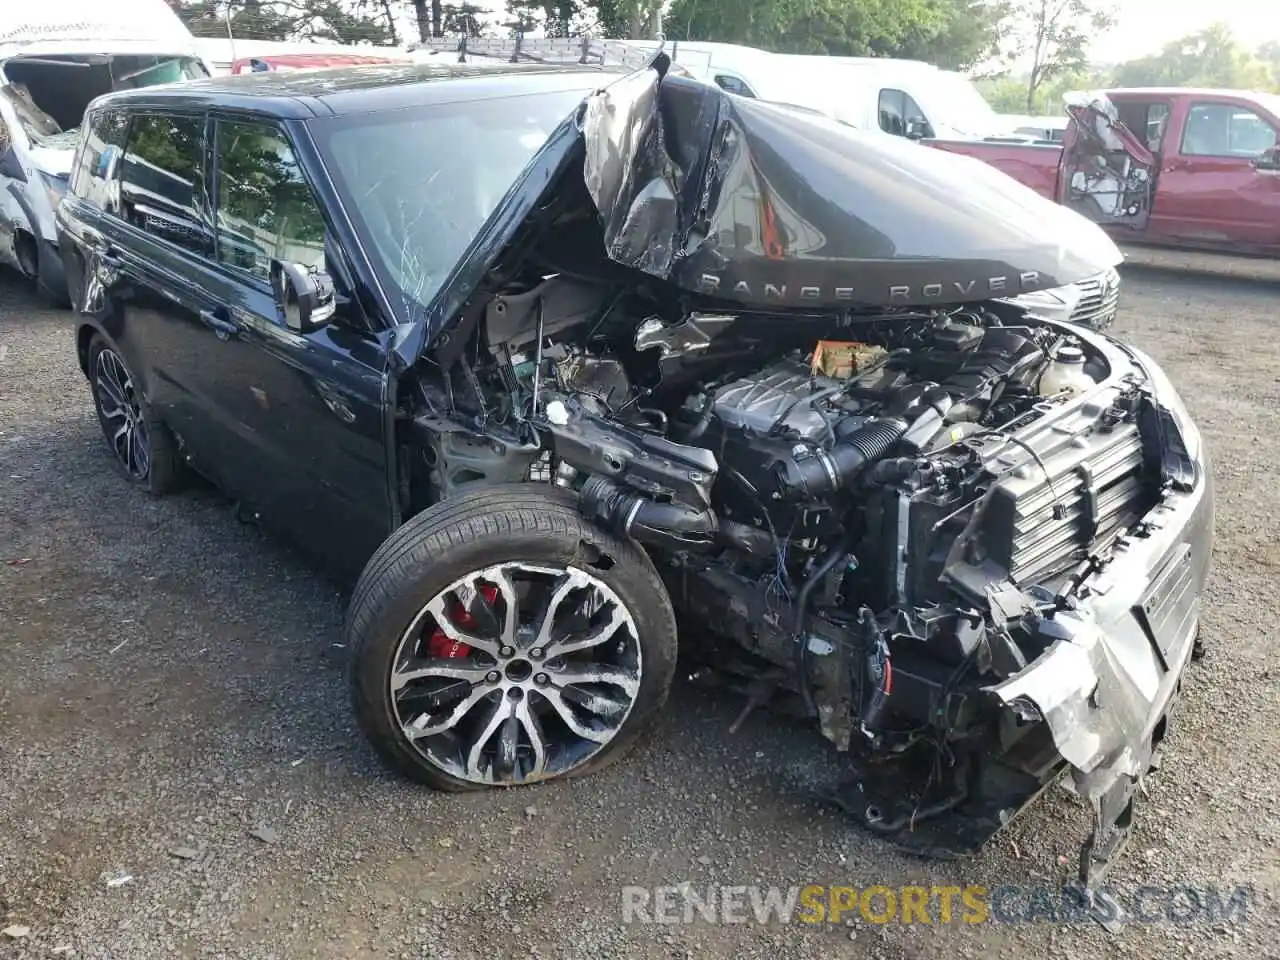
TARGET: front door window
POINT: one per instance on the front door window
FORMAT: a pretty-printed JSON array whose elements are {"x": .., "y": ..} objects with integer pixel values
[{"x": 266, "y": 210}]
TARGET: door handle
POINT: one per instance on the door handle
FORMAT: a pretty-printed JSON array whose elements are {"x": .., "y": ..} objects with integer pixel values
[
  {"x": 221, "y": 326},
  {"x": 108, "y": 257}
]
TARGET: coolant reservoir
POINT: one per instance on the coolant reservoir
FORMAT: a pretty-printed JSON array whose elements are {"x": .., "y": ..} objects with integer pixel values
[{"x": 1065, "y": 372}]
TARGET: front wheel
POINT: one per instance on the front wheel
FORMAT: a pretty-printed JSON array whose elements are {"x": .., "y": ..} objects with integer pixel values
[{"x": 500, "y": 639}]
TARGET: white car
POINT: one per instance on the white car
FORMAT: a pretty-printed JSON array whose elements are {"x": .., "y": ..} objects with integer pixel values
[{"x": 55, "y": 57}]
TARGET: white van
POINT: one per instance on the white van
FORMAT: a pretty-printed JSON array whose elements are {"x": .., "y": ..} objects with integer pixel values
[
  {"x": 905, "y": 98},
  {"x": 55, "y": 57}
]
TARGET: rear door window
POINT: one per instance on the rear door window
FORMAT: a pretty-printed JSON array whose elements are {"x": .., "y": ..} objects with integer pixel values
[
  {"x": 162, "y": 180},
  {"x": 95, "y": 173},
  {"x": 266, "y": 210}
]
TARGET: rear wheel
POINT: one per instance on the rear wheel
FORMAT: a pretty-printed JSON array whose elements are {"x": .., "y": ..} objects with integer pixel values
[
  {"x": 142, "y": 446},
  {"x": 499, "y": 639}
]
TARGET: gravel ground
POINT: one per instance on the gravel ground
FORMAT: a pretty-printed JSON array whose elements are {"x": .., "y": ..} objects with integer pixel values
[{"x": 173, "y": 710}]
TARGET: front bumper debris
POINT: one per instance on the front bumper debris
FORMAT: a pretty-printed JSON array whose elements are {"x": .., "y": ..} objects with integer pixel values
[{"x": 1108, "y": 683}]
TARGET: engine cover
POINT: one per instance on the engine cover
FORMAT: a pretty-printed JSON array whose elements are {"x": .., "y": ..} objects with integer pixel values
[
  {"x": 785, "y": 400},
  {"x": 753, "y": 423}
]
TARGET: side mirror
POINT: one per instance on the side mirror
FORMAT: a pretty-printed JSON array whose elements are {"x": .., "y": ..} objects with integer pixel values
[
  {"x": 10, "y": 167},
  {"x": 305, "y": 296},
  {"x": 917, "y": 129},
  {"x": 1269, "y": 160}
]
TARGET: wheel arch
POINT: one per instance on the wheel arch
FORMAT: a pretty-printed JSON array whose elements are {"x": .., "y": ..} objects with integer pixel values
[
  {"x": 84, "y": 336},
  {"x": 91, "y": 325}
]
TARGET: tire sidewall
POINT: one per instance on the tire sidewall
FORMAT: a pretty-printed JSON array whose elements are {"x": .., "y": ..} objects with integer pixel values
[
  {"x": 163, "y": 471},
  {"x": 97, "y": 347},
  {"x": 631, "y": 577}
]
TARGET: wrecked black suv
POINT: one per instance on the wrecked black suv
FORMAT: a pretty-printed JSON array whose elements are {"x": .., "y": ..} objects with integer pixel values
[{"x": 563, "y": 359}]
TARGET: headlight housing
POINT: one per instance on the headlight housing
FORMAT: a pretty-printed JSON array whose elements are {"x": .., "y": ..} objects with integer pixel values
[
  {"x": 1090, "y": 302},
  {"x": 1058, "y": 303}
]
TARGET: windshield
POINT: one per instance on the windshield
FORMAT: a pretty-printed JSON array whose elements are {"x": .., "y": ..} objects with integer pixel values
[
  {"x": 955, "y": 103},
  {"x": 420, "y": 183}
]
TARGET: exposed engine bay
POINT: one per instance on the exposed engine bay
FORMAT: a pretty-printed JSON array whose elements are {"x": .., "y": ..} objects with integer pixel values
[{"x": 844, "y": 510}]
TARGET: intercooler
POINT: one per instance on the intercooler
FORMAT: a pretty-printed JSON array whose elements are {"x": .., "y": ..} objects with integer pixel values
[{"x": 1043, "y": 519}]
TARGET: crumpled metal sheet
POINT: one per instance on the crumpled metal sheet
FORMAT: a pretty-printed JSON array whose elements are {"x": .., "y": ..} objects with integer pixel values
[
  {"x": 766, "y": 205},
  {"x": 1116, "y": 663},
  {"x": 1096, "y": 118}
]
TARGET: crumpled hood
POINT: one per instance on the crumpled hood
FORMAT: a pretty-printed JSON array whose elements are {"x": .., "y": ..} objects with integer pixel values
[{"x": 765, "y": 205}]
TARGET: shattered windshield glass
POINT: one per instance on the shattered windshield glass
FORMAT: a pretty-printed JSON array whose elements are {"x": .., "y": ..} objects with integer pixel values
[{"x": 421, "y": 182}]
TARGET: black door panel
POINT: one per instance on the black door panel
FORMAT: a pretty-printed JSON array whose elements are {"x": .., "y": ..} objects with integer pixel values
[
  {"x": 160, "y": 297},
  {"x": 307, "y": 410},
  {"x": 291, "y": 424}
]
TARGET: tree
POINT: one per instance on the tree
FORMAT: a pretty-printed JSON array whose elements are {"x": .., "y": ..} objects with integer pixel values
[
  {"x": 558, "y": 18},
  {"x": 1054, "y": 35},
  {"x": 969, "y": 32},
  {"x": 466, "y": 19},
  {"x": 1269, "y": 56},
  {"x": 1008, "y": 94},
  {"x": 953, "y": 32},
  {"x": 428, "y": 15},
  {"x": 330, "y": 20},
  {"x": 632, "y": 19},
  {"x": 1209, "y": 58}
]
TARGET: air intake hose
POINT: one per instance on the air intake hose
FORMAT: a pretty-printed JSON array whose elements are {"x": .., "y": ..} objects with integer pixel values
[
  {"x": 674, "y": 526},
  {"x": 811, "y": 472}
]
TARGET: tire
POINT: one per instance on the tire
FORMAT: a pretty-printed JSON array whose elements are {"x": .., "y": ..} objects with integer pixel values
[
  {"x": 162, "y": 472},
  {"x": 510, "y": 523},
  {"x": 51, "y": 279},
  {"x": 53, "y": 293}
]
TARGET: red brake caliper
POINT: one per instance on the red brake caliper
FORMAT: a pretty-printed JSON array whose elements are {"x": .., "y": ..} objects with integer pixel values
[{"x": 440, "y": 646}]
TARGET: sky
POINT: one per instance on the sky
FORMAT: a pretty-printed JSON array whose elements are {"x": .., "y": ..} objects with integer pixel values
[{"x": 1144, "y": 26}]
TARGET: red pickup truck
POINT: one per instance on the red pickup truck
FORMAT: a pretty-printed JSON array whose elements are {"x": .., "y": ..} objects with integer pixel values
[{"x": 1171, "y": 166}]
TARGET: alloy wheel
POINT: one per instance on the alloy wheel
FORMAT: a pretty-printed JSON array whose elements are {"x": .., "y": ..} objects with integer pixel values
[
  {"x": 515, "y": 673},
  {"x": 120, "y": 409}
]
